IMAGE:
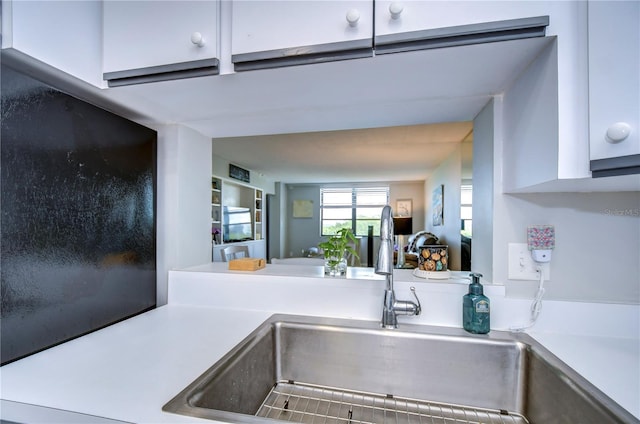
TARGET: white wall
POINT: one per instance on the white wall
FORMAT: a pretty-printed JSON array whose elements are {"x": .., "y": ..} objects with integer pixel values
[
  {"x": 301, "y": 233},
  {"x": 194, "y": 198},
  {"x": 413, "y": 190},
  {"x": 483, "y": 191},
  {"x": 586, "y": 225},
  {"x": 467, "y": 159},
  {"x": 530, "y": 128},
  {"x": 184, "y": 202},
  {"x": 237, "y": 195},
  {"x": 597, "y": 253},
  {"x": 167, "y": 212},
  {"x": 448, "y": 174},
  {"x": 276, "y": 238},
  {"x": 220, "y": 168}
]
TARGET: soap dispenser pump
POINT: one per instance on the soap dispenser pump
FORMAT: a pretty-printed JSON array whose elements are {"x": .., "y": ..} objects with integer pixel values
[{"x": 475, "y": 308}]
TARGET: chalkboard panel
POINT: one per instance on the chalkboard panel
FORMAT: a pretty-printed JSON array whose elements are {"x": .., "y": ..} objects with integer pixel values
[{"x": 78, "y": 221}]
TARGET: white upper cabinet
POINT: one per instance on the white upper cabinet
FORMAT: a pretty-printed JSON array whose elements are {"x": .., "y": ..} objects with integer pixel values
[
  {"x": 543, "y": 129},
  {"x": 149, "y": 40},
  {"x": 63, "y": 34},
  {"x": 404, "y": 16},
  {"x": 273, "y": 33},
  {"x": 614, "y": 86},
  {"x": 407, "y": 25}
]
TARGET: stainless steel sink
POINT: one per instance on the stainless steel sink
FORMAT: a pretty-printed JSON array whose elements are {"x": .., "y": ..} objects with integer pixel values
[{"x": 308, "y": 369}]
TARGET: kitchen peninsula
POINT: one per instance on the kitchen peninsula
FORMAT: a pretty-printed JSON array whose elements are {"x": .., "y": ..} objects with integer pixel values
[{"x": 129, "y": 370}]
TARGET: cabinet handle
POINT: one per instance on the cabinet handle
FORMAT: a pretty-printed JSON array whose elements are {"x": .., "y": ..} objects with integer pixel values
[
  {"x": 395, "y": 9},
  {"x": 618, "y": 132},
  {"x": 197, "y": 39},
  {"x": 353, "y": 16}
]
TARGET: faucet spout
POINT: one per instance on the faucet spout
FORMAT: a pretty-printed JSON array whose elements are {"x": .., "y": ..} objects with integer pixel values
[{"x": 391, "y": 307}]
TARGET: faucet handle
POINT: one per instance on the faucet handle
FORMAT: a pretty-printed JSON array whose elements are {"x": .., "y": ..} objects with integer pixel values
[{"x": 419, "y": 309}]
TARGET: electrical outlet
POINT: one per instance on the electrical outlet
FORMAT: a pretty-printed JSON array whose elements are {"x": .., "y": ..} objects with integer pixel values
[{"x": 522, "y": 266}]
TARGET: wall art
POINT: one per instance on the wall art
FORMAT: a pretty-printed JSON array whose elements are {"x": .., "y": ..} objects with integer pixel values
[{"x": 437, "y": 203}]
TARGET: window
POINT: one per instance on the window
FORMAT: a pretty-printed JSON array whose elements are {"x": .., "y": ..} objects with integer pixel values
[
  {"x": 352, "y": 207},
  {"x": 466, "y": 194}
]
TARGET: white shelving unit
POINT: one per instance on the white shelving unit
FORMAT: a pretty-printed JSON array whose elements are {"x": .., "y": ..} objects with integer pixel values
[
  {"x": 258, "y": 216},
  {"x": 216, "y": 210},
  {"x": 233, "y": 194}
]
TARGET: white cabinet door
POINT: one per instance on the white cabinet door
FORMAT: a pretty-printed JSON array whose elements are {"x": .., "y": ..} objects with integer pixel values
[
  {"x": 404, "y": 16},
  {"x": 159, "y": 37},
  {"x": 429, "y": 24},
  {"x": 614, "y": 80},
  {"x": 541, "y": 145},
  {"x": 63, "y": 34},
  {"x": 275, "y": 29}
]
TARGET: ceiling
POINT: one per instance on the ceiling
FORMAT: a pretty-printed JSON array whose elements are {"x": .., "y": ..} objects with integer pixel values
[
  {"x": 409, "y": 152},
  {"x": 448, "y": 85}
]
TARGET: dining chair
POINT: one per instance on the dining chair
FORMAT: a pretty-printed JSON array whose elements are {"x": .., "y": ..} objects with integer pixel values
[{"x": 234, "y": 252}]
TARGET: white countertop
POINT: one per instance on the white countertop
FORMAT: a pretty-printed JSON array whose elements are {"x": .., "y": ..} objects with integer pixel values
[
  {"x": 129, "y": 370},
  {"x": 612, "y": 364},
  {"x": 291, "y": 267}
]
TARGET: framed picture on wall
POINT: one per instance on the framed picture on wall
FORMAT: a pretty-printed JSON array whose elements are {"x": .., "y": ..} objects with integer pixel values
[
  {"x": 438, "y": 205},
  {"x": 303, "y": 208},
  {"x": 404, "y": 207},
  {"x": 238, "y": 173}
]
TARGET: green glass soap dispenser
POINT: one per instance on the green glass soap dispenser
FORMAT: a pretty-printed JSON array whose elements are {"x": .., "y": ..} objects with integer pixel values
[{"x": 475, "y": 308}]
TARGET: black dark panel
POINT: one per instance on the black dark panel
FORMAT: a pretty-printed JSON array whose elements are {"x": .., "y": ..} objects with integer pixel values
[{"x": 77, "y": 224}]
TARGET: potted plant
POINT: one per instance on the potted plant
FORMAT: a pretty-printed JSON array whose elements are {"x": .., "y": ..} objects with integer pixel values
[{"x": 335, "y": 249}]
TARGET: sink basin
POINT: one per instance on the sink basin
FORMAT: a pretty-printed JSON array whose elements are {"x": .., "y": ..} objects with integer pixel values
[{"x": 310, "y": 369}]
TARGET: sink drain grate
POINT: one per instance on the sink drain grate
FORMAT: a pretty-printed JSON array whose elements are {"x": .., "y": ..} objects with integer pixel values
[{"x": 301, "y": 403}]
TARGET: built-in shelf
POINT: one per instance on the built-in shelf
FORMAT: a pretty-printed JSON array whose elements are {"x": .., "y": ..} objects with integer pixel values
[
  {"x": 227, "y": 194},
  {"x": 216, "y": 210},
  {"x": 258, "y": 215}
]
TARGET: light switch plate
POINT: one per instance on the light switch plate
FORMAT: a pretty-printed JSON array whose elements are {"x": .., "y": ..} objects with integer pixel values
[{"x": 522, "y": 266}]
